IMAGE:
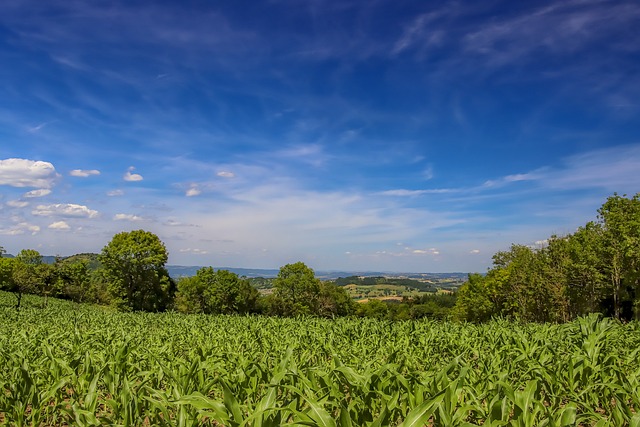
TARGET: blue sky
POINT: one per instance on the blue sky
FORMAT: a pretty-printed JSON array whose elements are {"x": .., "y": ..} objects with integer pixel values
[{"x": 370, "y": 135}]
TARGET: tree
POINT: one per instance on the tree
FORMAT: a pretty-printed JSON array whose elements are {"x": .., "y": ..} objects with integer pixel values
[
  {"x": 334, "y": 301},
  {"x": 373, "y": 308},
  {"x": 215, "y": 292},
  {"x": 297, "y": 289},
  {"x": 190, "y": 296},
  {"x": 473, "y": 301},
  {"x": 134, "y": 266},
  {"x": 29, "y": 257},
  {"x": 585, "y": 278},
  {"x": 74, "y": 279},
  {"x": 7, "y": 280},
  {"x": 620, "y": 219},
  {"x": 27, "y": 273}
]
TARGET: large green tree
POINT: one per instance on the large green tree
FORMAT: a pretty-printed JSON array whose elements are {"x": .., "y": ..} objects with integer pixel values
[
  {"x": 215, "y": 292},
  {"x": 74, "y": 279},
  {"x": 29, "y": 274},
  {"x": 296, "y": 290},
  {"x": 134, "y": 267},
  {"x": 7, "y": 279},
  {"x": 620, "y": 218}
]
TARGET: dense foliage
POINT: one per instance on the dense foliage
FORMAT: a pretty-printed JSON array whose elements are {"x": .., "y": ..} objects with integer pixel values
[
  {"x": 595, "y": 269},
  {"x": 134, "y": 267},
  {"x": 70, "y": 364}
]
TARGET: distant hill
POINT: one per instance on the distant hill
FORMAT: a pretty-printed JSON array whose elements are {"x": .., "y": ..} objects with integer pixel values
[{"x": 177, "y": 271}]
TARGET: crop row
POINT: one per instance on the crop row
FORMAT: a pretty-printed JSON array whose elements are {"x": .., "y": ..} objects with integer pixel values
[{"x": 70, "y": 364}]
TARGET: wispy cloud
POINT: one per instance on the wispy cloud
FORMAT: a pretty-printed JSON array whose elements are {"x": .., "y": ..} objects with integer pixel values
[
  {"x": 17, "y": 203},
  {"x": 612, "y": 169},
  {"x": 127, "y": 217},
  {"x": 413, "y": 193},
  {"x": 20, "y": 228},
  {"x": 420, "y": 31},
  {"x": 37, "y": 193},
  {"x": 560, "y": 28},
  {"x": 83, "y": 173},
  {"x": 195, "y": 251},
  {"x": 37, "y": 128}
]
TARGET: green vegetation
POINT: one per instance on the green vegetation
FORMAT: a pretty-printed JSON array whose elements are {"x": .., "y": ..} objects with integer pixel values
[
  {"x": 595, "y": 269},
  {"x": 130, "y": 275},
  {"x": 133, "y": 264},
  {"x": 215, "y": 292},
  {"x": 70, "y": 364},
  {"x": 395, "y": 283},
  {"x": 62, "y": 363}
]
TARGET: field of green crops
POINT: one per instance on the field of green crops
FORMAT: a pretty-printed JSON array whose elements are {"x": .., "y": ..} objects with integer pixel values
[{"x": 69, "y": 364}]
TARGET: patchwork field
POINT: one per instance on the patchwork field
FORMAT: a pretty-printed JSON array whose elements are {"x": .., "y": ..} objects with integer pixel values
[{"x": 69, "y": 364}]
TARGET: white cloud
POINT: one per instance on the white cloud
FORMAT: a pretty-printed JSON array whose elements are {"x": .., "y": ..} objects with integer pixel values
[
  {"x": 20, "y": 228},
  {"x": 474, "y": 251},
  {"x": 82, "y": 173},
  {"x": 193, "y": 191},
  {"x": 65, "y": 210},
  {"x": 37, "y": 193},
  {"x": 430, "y": 251},
  {"x": 225, "y": 174},
  {"x": 17, "y": 203},
  {"x": 27, "y": 173},
  {"x": 194, "y": 251},
  {"x": 132, "y": 177},
  {"x": 127, "y": 217},
  {"x": 59, "y": 225},
  {"x": 114, "y": 193}
]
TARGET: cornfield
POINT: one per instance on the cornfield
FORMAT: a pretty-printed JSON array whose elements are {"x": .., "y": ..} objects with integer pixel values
[{"x": 69, "y": 364}]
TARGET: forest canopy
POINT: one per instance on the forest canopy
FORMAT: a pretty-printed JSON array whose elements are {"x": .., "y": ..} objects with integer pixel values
[{"x": 594, "y": 270}]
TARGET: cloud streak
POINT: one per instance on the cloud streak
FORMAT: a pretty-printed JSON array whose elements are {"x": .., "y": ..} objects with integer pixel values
[{"x": 82, "y": 173}]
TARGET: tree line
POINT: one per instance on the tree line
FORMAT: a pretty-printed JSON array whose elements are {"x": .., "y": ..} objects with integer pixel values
[
  {"x": 131, "y": 276},
  {"x": 596, "y": 269}
]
